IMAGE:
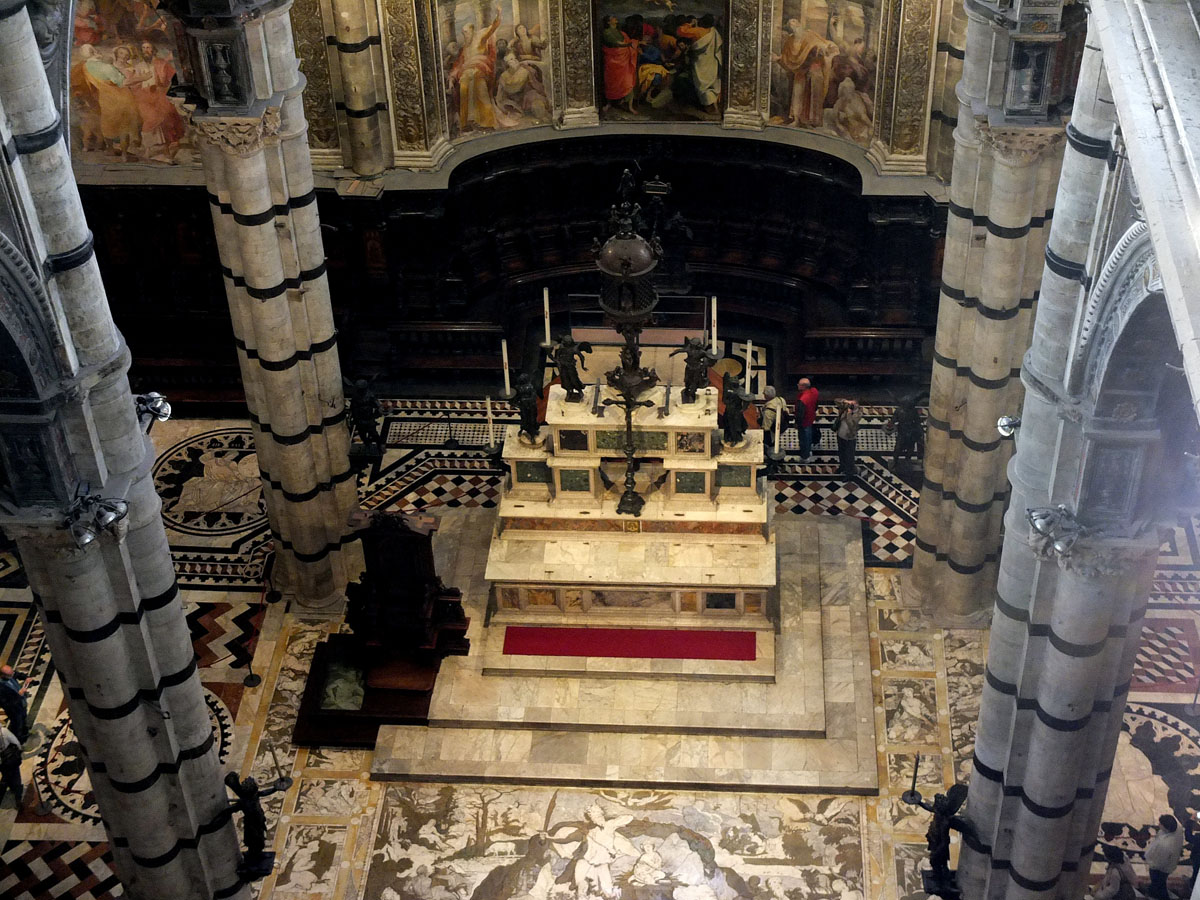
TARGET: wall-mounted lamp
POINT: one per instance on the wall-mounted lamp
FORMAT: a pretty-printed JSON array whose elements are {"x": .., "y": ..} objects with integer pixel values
[
  {"x": 1008, "y": 425},
  {"x": 89, "y": 514},
  {"x": 1057, "y": 526},
  {"x": 152, "y": 406}
]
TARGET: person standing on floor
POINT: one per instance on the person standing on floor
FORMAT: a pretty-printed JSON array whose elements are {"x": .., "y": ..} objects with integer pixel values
[
  {"x": 12, "y": 701},
  {"x": 849, "y": 415},
  {"x": 10, "y": 767},
  {"x": 806, "y": 414},
  {"x": 1162, "y": 856},
  {"x": 774, "y": 408}
]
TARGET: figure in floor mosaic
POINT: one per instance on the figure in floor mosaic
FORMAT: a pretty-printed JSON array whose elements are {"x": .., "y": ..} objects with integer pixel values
[{"x": 504, "y": 844}]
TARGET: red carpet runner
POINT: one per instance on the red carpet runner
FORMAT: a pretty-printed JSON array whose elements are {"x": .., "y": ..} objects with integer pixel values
[{"x": 628, "y": 643}]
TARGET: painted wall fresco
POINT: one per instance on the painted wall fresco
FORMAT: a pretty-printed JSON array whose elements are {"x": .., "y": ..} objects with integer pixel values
[
  {"x": 499, "y": 843},
  {"x": 122, "y": 64},
  {"x": 660, "y": 59},
  {"x": 496, "y": 64},
  {"x": 823, "y": 70}
]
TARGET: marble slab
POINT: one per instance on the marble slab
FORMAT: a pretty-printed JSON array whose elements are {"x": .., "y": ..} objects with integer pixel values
[{"x": 584, "y": 731}]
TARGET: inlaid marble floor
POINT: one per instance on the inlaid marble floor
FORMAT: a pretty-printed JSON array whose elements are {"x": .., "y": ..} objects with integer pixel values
[{"x": 341, "y": 835}]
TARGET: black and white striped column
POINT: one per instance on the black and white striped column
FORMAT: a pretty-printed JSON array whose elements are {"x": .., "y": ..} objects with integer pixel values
[
  {"x": 111, "y": 611},
  {"x": 1000, "y": 197},
  {"x": 262, "y": 198},
  {"x": 357, "y": 42},
  {"x": 1064, "y": 632}
]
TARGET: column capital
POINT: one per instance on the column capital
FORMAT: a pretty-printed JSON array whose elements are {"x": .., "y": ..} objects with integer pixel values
[
  {"x": 239, "y": 135},
  {"x": 1099, "y": 556},
  {"x": 1020, "y": 146}
]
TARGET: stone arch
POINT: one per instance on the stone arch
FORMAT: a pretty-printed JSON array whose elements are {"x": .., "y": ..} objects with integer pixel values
[
  {"x": 29, "y": 358},
  {"x": 1133, "y": 429},
  {"x": 32, "y": 368}
]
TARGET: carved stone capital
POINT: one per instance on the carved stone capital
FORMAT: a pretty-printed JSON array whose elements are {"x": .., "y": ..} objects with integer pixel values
[
  {"x": 239, "y": 135},
  {"x": 1097, "y": 556},
  {"x": 1020, "y": 146}
]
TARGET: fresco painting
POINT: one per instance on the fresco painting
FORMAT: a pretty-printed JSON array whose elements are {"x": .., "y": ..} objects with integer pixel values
[
  {"x": 823, "y": 70},
  {"x": 496, "y": 65},
  {"x": 660, "y": 60},
  {"x": 122, "y": 64}
]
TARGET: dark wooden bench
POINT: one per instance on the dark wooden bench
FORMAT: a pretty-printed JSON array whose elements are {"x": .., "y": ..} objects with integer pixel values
[
  {"x": 446, "y": 345},
  {"x": 859, "y": 351}
]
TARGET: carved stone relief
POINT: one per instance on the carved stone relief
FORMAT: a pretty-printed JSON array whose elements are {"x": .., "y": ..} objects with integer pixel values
[
  {"x": 578, "y": 41},
  {"x": 743, "y": 53},
  {"x": 240, "y": 137},
  {"x": 308, "y": 32}
]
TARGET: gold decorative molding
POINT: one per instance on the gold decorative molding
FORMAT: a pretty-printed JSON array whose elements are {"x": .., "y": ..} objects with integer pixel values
[
  {"x": 308, "y": 34},
  {"x": 404, "y": 71},
  {"x": 744, "y": 39},
  {"x": 906, "y": 54},
  {"x": 579, "y": 49}
]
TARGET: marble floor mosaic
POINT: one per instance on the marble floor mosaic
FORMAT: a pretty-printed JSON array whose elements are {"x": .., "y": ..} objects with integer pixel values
[{"x": 340, "y": 835}]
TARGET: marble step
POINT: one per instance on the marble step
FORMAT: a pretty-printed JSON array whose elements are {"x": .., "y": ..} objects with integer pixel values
[{"x": 583, "y": 759}]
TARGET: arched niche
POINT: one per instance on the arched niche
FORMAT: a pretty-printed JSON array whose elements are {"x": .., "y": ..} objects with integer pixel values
[
  {"x": 35, "y": 466},
  {"x": 1136, "y": 417}
]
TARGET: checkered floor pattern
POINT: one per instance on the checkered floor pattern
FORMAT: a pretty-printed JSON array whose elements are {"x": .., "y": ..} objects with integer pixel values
[
  {"x": 817, "y": 488},
  {"x": 1165, "y": 660},
  {"x": 40, "y": 869}
]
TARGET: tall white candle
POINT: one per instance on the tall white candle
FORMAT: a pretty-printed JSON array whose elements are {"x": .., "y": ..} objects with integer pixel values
[
  {"x": 504, "y": 363},
  {"x": 749, "y": 366},
  {"x": 492, "y": 433},
  {"x": 714, "y": 326},
  {"x": 546, "y": 311},
  {"x": 778, "y": 422}
]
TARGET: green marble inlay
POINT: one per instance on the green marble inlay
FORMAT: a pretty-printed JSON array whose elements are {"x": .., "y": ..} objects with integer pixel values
[
  {"x": 689, "y": 482},
  {"x": 642, "y": 440},
  {"x": 574, "y": 479},
  {"x": 733, "y": 476},
  {"x": 571, "y": 439},
  {"x": 533, "y": 472}
]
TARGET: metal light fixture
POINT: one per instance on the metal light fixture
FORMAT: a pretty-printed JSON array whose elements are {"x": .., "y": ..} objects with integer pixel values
[
  {"x": 1057, "y": 525},
  {"x": 1008, "y": 425},
  {"x": 152, "y": 405},
  {"x": 89, "y": 514}
]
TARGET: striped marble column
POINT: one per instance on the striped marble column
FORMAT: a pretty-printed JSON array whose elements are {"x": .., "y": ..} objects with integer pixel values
[
  {"x": 1064, "y": 633},
  {"x": 948, "y": 69},
  {"x": 355, "y": 37},
  {"x": 259, "y": 175},
  {"x": 111, "y": 610},
  {"x": 1000, "y": 192}
]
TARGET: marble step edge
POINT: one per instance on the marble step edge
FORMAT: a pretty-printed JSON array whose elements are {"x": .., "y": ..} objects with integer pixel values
[
  {"x": 556, "y": 618},
  {"x": 748, "y": 730},
  {"x": 742, "y": 678},
  {"x": 856, "y": 785}
]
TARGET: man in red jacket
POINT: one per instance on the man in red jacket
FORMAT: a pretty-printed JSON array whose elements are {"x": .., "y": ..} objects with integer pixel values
[{"x": 806, "y": 414}]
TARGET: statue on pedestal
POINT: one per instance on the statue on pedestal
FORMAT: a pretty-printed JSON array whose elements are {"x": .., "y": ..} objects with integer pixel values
[
  {"x": 733, "y": 419},
  {"x": 255, "y": 863},
  {"x": 563, "y": 358},
  {"x": 938, "y": 880},
  {"x": 527, "y": 405},
  {"x": 696, "y": 366},
  {"x": 365, "y": 409}
]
